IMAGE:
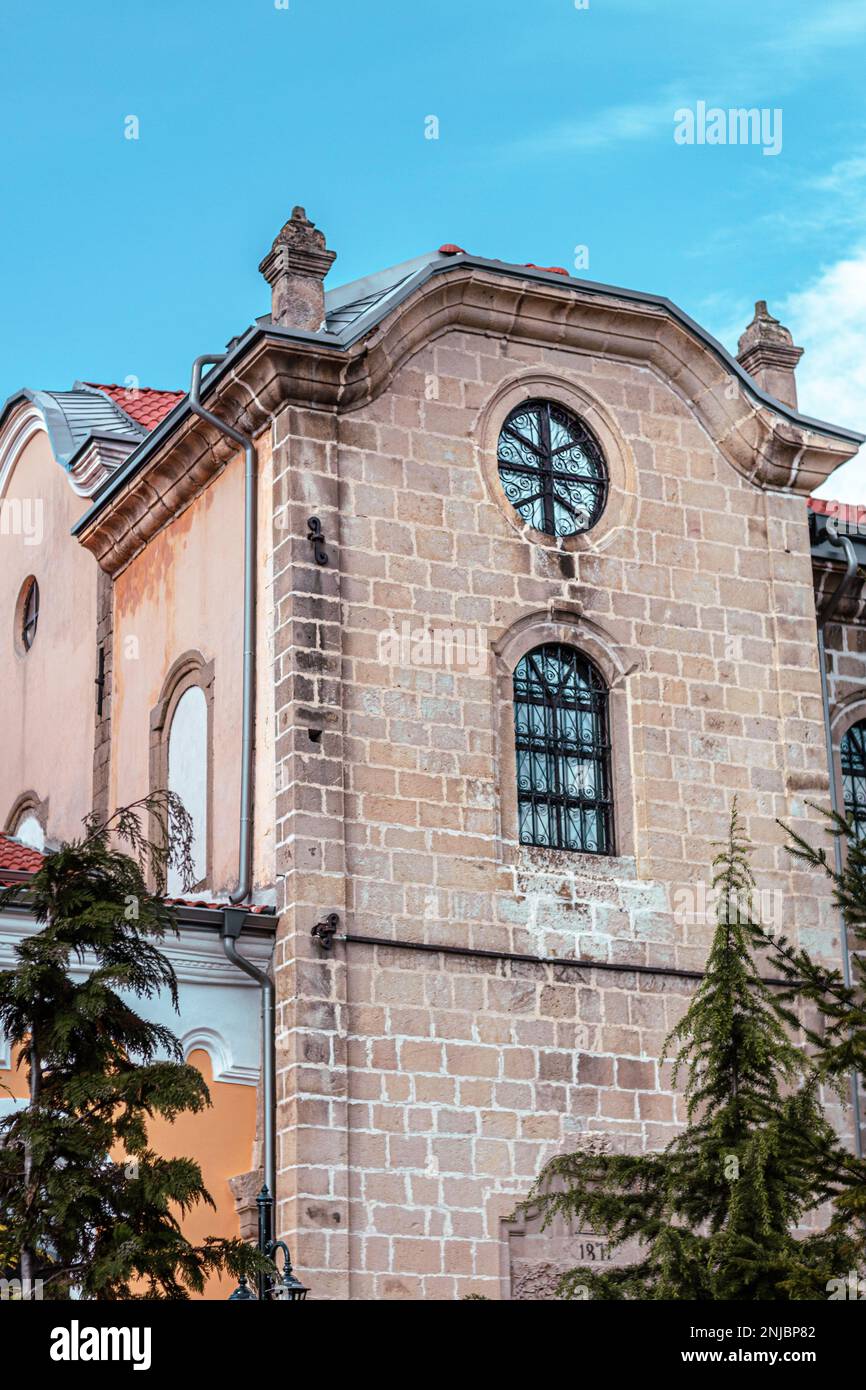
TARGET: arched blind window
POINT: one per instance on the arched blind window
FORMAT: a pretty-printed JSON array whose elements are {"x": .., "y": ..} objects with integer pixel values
[
  {"x": 563, "y": 751},
  {"x": 852, "y": 751}
]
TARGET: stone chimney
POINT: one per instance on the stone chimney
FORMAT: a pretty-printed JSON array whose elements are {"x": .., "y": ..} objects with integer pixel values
[
  {"x": 767, "y": 352},
  {"x": 295, "y": 268}
]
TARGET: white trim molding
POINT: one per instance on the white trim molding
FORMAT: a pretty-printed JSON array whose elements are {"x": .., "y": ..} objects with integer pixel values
[
  {"x": 219, "y": 1007},
  {"x": 220, "y": 1053},
  {"x": 23, "y": 424}
]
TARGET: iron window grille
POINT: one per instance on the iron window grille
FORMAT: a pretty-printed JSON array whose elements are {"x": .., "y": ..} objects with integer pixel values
[
  {"x": 563, "y": 751},
  {"x": 30, "y": 616},
  {"x": 852, "y": 753},
  {"x": 552, "y": 468}
]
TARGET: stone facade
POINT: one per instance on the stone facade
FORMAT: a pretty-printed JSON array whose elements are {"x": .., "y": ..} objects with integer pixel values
[{"x": 421, "y": 1090}]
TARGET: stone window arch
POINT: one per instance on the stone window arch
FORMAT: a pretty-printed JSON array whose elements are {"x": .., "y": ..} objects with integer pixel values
[
  {"x": 610, "y": 501},
  {"x": 181, "y": 755},
  {"x": 28, "y": 820}
]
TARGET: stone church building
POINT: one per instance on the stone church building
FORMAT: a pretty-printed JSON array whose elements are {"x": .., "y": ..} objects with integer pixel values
[{"x": 458, "y": 603}]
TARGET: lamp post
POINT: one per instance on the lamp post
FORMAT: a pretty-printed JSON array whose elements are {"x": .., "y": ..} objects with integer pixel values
[{"x": 287, "y": 1288}]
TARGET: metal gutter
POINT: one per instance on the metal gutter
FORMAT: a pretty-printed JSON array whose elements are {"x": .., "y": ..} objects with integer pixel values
[{"x": 257, "y": 924}]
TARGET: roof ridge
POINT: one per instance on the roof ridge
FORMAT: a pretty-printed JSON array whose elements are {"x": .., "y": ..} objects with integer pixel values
[{"x": 118, "y": 386}]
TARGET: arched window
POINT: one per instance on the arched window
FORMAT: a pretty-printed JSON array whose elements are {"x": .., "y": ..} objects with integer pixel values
[
  {"x": 563, "y": 751},
  {"x": 188, "y": 774},
  {"x": 30, "y": 831},
  {"x": 552, "y": 468},
  {"x": 852, "y": 753},
  {"x": 181, "y": 757},
  {"x": 27, "y": 820}
]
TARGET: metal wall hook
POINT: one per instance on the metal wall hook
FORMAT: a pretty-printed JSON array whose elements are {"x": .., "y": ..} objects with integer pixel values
[
  {"x": 316, "y": 537},
  {"x": 324, "y": 931}
]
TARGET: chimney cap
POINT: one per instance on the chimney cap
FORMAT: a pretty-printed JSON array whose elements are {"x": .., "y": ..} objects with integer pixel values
[
  {"x": 768, "y": 353},
  {"x": 295, "y": 268},
  {"x": 298, "y": 248},
  {"x": 765, "y": 329}
]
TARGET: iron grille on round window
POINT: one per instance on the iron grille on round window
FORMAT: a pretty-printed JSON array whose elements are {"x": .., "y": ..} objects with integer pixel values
[
  {"x": 552, "y": 468},
  {"x": 852, "y": 752},
  {"x": 563, "y": 751}
]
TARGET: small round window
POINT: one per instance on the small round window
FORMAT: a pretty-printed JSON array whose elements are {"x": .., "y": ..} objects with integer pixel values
[
  {"x": 27, "y": 614},
  {"x": 552, "y": 468}
]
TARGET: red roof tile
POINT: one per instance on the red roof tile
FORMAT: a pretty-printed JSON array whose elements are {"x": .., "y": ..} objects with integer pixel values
[
  {"x": 20, "y": 858},
  {"x": 143, "y": 403},
  {"x": 259, "y": 909},
  {"x": 16, "y": 858}
]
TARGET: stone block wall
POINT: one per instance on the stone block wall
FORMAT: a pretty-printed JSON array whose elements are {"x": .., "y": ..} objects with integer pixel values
[{"x": 421, "y": 1090}]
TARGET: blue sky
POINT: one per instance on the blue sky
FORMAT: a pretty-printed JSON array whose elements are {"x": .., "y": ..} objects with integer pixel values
[{"x": 122, "y": 257}]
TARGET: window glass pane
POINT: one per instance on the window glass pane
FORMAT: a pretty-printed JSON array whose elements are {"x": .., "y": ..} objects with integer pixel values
[
  {"x": 852, "y": 751},
  {"x": 187, "y": 775},
  {"x": 552, "y": 469},
  {"x": 563, "y": 751}
]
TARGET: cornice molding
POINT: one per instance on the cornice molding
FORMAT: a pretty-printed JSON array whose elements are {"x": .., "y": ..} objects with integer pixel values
[
  {"x": 219, "y": 1007},
  {"x": 197, "y": 956},
  {"x": 274, "y": 369},
  {"x": 96, "y": 462}
]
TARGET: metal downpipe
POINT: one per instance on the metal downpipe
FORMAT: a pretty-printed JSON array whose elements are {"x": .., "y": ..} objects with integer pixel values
[
  {"x": 233, "y": 922},
  {"x": 233, "y": 917},
  {"x": 844, "y": 544}
]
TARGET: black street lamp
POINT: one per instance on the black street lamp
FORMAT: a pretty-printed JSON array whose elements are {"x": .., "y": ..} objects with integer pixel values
[{"x": 285, "y": 1289}]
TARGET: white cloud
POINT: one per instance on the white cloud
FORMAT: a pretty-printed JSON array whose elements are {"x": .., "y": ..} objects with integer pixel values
[
  {"x": 609, "y": 126},
  {"x": 832, "y": 26},
  {"x": 828, "y": 319},
  {"x": 768, "y": 69}
]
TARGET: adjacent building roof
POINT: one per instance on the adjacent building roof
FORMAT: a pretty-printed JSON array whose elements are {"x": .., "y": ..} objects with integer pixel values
[
  {"x": 91, "y": 410},
  {"x": 18, "y": 857},
  {"x": 145, "y": 405}
]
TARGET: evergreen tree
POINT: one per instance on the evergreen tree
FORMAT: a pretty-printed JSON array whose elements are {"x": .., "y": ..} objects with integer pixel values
[
  {"x": 83, "y": 1198},
  {"x": 716, "y": 1213},
  {"x": 837, "y": 1036}
]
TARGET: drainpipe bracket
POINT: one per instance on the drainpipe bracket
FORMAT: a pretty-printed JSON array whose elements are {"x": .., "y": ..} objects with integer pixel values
[{"x": 233, "y": 921}]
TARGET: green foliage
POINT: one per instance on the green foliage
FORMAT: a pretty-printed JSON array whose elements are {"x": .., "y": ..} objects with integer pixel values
[
  {"x": 715, "y": 1215},
  {"x": 836, "y": 1033},
  {"x": 99, "y": 1072}
]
